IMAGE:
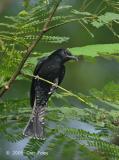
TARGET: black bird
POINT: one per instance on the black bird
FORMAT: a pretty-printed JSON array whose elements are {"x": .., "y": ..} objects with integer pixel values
[{"x": 52, "y": 69}]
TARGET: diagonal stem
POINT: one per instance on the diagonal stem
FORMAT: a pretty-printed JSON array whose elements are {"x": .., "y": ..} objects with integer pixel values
[{"x": 61, "y": 88}]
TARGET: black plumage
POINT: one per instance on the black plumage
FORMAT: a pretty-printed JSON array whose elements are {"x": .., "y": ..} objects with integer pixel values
[{"x": 52, "y": 69}]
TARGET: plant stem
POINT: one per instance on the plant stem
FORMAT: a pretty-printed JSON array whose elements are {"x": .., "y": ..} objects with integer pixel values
[
  {"x": 29, "y": 50},
  {"x": 49, "y": 82},
  {"x": 61, "y": 24}
]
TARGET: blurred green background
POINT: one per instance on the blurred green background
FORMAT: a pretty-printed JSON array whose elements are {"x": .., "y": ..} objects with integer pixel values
[
  {"x": 88, "y": 74},
  {"x": 80, "y": 76}
]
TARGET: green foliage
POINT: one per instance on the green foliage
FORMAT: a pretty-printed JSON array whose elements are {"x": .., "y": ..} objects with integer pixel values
[
  {"x": 106, "y": 13},
  {"x": 105, "y": 19},
  {"x": 108, "y": 93},
  {"x": 18, "y": 32},
  {"x": 63, "y": 140},
  {"x": 96, "y": 50}
]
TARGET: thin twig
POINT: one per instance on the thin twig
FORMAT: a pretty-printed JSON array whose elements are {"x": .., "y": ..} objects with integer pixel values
[
  {"x": 30, "y": 49},
  {"x": 99, "y": 7},
  {"x": 83, "y": 5},
  {"x": 49, "y": 82},
  {"x": 60, "y": 24},
  {"x": 101, "y": 10},
  {"x": 88, "y": 4},
  {"x": 11, "y": 38},
  {"x": 84, "y": 26}
]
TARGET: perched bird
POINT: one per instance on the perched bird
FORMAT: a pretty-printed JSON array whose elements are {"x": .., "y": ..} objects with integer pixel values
[{"x": 52, "y": 69}]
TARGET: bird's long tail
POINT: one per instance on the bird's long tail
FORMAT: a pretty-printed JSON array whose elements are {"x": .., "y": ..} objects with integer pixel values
[{"x": 35, "y": 126}]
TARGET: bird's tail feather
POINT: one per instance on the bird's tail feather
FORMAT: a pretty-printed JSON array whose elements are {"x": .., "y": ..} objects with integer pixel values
[{"x": 35, "y": 126}]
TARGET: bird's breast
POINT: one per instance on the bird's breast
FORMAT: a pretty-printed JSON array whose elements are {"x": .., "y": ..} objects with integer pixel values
[{"x": 49, "y": 71}]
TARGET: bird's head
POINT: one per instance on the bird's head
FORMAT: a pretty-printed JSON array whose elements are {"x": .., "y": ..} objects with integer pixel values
[{"x": 65, "y": 55}]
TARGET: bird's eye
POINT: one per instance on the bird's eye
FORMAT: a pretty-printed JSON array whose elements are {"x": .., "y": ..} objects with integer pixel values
[{"x": 65, "y": 53}]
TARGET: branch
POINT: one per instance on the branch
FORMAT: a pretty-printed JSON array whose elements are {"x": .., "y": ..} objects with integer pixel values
[
  {"x": 29, "y": 50},
  {"x": 4, "y": 5},
  {"x": 61, "y": 88},
  {"x": 61, "y": 24}
]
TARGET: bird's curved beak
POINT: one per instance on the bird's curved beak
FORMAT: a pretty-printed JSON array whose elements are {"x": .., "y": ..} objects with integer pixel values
[{"x": 72, "y": 57}]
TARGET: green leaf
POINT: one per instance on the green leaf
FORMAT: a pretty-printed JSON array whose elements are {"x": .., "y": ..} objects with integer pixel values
[
  {"x": 105, "y": 19},
  {"x": 23, "y": 13},
  {"x": 96, "y": 50},
  {"x": 81, "y": 13}
]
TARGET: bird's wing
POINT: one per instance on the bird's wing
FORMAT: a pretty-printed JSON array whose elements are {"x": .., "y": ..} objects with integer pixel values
[
  {"x": 39, "y": 64},
  {"x": 61, "y": 74},
  {"x": 57, "y": 80},
  {"x": 32, "y": 91}
]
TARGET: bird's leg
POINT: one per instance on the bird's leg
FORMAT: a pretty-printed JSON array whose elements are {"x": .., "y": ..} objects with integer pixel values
[{"x": 54, "y": 86}]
